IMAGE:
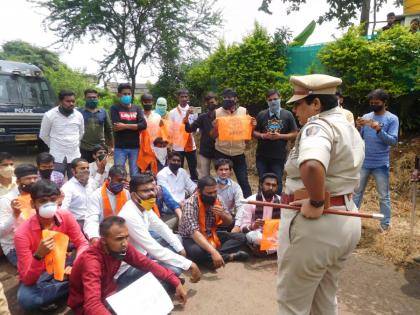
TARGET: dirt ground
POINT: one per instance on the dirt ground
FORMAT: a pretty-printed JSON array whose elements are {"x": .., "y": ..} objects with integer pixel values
[{"x": 369, "y": 285}]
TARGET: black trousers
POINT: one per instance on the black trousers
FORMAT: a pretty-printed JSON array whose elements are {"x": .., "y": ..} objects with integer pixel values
[
  {"x": 230, "y": 243},
  {"x": 241, "y": 170},
  {"x": 191, "y": 161}
]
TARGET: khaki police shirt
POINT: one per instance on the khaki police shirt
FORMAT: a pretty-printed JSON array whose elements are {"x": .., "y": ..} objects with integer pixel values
[{"x": 336, "y": 144}]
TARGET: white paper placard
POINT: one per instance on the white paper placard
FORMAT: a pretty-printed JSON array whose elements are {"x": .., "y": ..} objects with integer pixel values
[{"x": 145, "y": 296}]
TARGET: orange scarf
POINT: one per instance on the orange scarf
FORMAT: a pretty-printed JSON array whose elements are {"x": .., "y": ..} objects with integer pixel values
[
  {"x": 156, "y": 210},
  {"x": 146, "y": 155},
  {"x": 213, "y": 238},
  {"x": 121, "y": 200}
]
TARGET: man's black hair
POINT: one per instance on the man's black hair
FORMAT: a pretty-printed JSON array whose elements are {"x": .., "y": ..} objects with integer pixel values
[
  {"x": 146, "y": 97},
  {"x": 221, "y": 162},
  {"x": 124, "y": 86},
  {"x": 379, "y": 94},
  {"x": 272, "y": 92},
  {"x": 117, "y": 170},
  {"x": 44, "y": 157},
  {"x": 328, "y": 101},
  {"x": 209, "y": 96},
  {"x": 87, "y": 91},
  {"x": 138, "y": 180},
  {"x": 268, "y": 175},
  {"x": 99, "y": 147},
  {"x": 390, "y": 14},
  {"x": 108, "y": 222},
  {"x": 205, "y": 181},
  {"x": 174, "y": 153},
  {"x": 415, "y": 20},
  {"x": 44, "y": 188},
  {"x": 228, "y": 92},
  {"x": 182, "y": 91},
  {"x": 64, "y": 93},
  {"x": 23, "y": 170},
  {"x": 76, "y": 162},
  {"x": 5, "y": 156}
]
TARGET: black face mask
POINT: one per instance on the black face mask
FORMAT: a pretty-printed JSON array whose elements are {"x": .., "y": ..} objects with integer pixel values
[
  {"x": 65, "y": 111},
  {"x": 211, "y": 107},
  {"x": 208, "y": 200},
  {"x": 147, "y": 107},
  {"x": 26, "y": 188},
  {"x": 174, "y": 167},
  {"x": 46, "y": 174},
  {"x": 228, "y": 104},
  {"x": 376, "y": 108},
  {"x": 117, "y": 255}
]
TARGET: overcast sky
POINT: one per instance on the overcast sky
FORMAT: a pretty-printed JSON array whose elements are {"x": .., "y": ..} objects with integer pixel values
[{"x": 19, "y": 19}]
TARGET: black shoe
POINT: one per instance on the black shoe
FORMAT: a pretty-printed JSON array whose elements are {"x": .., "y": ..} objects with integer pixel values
[
  {"x": 240, "y": 256},
  {"x": 49, "y": 307}
]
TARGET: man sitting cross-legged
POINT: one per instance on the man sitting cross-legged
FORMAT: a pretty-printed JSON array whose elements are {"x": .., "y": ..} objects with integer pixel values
[
  {"x": 139, "y": 213},
  {"x": 38, "y": 289},
  {"x": 92, "y": 277},
  {"x": 200, "y": 216},
  {"x": 253, "y": 216},
  {"x": 106, "y": 201}
]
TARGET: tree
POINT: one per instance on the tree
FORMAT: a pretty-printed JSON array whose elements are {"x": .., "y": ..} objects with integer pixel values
[
  {"x": 343, "y": 10},
  {"x": 138, "y": 31}
]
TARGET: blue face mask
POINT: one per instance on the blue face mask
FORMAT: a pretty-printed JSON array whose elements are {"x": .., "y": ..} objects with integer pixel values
[
  {"x": 126, "y": 99},
  {"x": 222, "y": 181},
  {"x": 116, "y": 187},
  {"x": 274, "y": 106}
]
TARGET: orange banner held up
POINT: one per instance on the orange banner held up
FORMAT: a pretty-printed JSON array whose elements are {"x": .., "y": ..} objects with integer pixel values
[
  {"x": 270, "y": 233},
  {"x": 26, "y": 207},
  {"x": 234, "y": 128},
  {"x": 153, "y": 128},
  {"x": 177, "y": 134},
  {"x": 55, "y": 260}
]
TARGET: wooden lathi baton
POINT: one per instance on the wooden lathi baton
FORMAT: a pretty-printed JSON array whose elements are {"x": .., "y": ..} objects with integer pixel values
[{"x": 377, "y": 216}]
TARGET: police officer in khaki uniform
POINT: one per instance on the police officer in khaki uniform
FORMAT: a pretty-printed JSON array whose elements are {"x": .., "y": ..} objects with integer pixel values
[{"x": 327, "y": 157}]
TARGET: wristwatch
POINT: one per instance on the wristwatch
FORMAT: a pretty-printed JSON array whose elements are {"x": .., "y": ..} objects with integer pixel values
[
  {"x": 316, "y": 203},
  {"x": 37, "y": 257}
]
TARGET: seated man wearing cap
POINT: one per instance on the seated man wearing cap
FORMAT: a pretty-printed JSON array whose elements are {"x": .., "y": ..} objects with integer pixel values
[
  {"x": 324, "y": 163},
  {"x": 14, "y": 210},
  {"x": 253, "y": 216},
  {"x": 105, "y": 201},
  {"x": 38, "y": 289}
]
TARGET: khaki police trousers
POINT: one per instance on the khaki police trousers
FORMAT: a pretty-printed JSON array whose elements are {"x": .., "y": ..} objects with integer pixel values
[
  {"x": 310, "y": 255},
  {"x": 4, "y": 310}
]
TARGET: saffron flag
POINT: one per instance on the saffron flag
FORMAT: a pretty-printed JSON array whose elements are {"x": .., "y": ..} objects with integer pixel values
[
  {"x": 26, "y": 209},
  {"x": 55, "y": 260},
  {"x": 270, "y": 233},
  {"x": 234, "y": 128}
]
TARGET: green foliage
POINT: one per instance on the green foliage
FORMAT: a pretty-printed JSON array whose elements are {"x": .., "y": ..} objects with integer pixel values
[{"x": 251, "y": 67}]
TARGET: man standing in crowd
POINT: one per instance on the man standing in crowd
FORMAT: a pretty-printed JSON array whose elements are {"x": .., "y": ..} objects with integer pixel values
[
  {"x": 391, "y": 21},
  {"x": 254, "y": 216},
  {"x": 204, "y": 122},
  {"x": 414, "y": 25},
  {"x": 100, "y": 162},
  {"x": 92, "y": 277},
  {"x": 78, "y": 188},
  {"x": 128, "y": 121},
  {"x": 38, "y": 289},
  {"x": 275, "y": 126},
  {"x": 175, "y": 178},
  {"x": 177, "y": 116},
  {"x": 229, "y": 192},
  {"x": 106, "y": 201},
  {"x": 348, "y": 114},
  {"x": 45, "y": 164},
  {"x": 379, "y": 130},
  {"x": 233, "y": 150},
  {"x": 11, "y": 208},
  {"x": 141, "y": 218},
  {"x": 201, "y": 214},
  {"x": 7, "y": 169},
  {"x": 62, "y": 128},
  {"x": 98, "y": 128}
]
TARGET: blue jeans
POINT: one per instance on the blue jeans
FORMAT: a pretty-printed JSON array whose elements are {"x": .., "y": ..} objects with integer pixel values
[
  {"x": 121, "y": 156},
  {"x": 381, "y": 176},
  {"x": 267, "y": 165},
  {"x": 44, "y": 292},
  {"x": 11, "y": 257}
]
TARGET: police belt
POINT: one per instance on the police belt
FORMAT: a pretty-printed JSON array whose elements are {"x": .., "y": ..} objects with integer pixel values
[{"x": 336, "y": 201}]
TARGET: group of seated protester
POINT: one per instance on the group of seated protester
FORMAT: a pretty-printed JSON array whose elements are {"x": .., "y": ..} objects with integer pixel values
[{"x": 118, "y": 229}]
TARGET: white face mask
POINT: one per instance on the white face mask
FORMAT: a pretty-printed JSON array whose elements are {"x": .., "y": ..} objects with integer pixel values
[
  {"x": 48, "y": 210},
  {"x": 161, "y": 154},
  {"x": 7, "y": 171}
]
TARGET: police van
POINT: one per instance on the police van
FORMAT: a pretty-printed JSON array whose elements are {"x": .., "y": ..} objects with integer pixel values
[{"x": 25, "y": 95}]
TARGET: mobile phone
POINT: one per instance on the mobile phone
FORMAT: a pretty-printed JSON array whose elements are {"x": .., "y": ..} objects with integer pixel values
[{"x": 196, "y": 110}]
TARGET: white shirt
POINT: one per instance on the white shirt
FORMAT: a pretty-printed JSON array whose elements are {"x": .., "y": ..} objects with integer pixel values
[
  {"x": 139, "y": 223},
  {"x": 95, "y": 211},
  {"x": 6, "y": 189},
  {"x": 177, "y": 115},
  {"x": 93, "y": 170},
  {"x": 177, "y": 184},
  {"x": 8, "y": 223},
  {"x": 62, "y": 134},
  {"x": 76, "y": 195},
  {"x": 249, "y": 210}
]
